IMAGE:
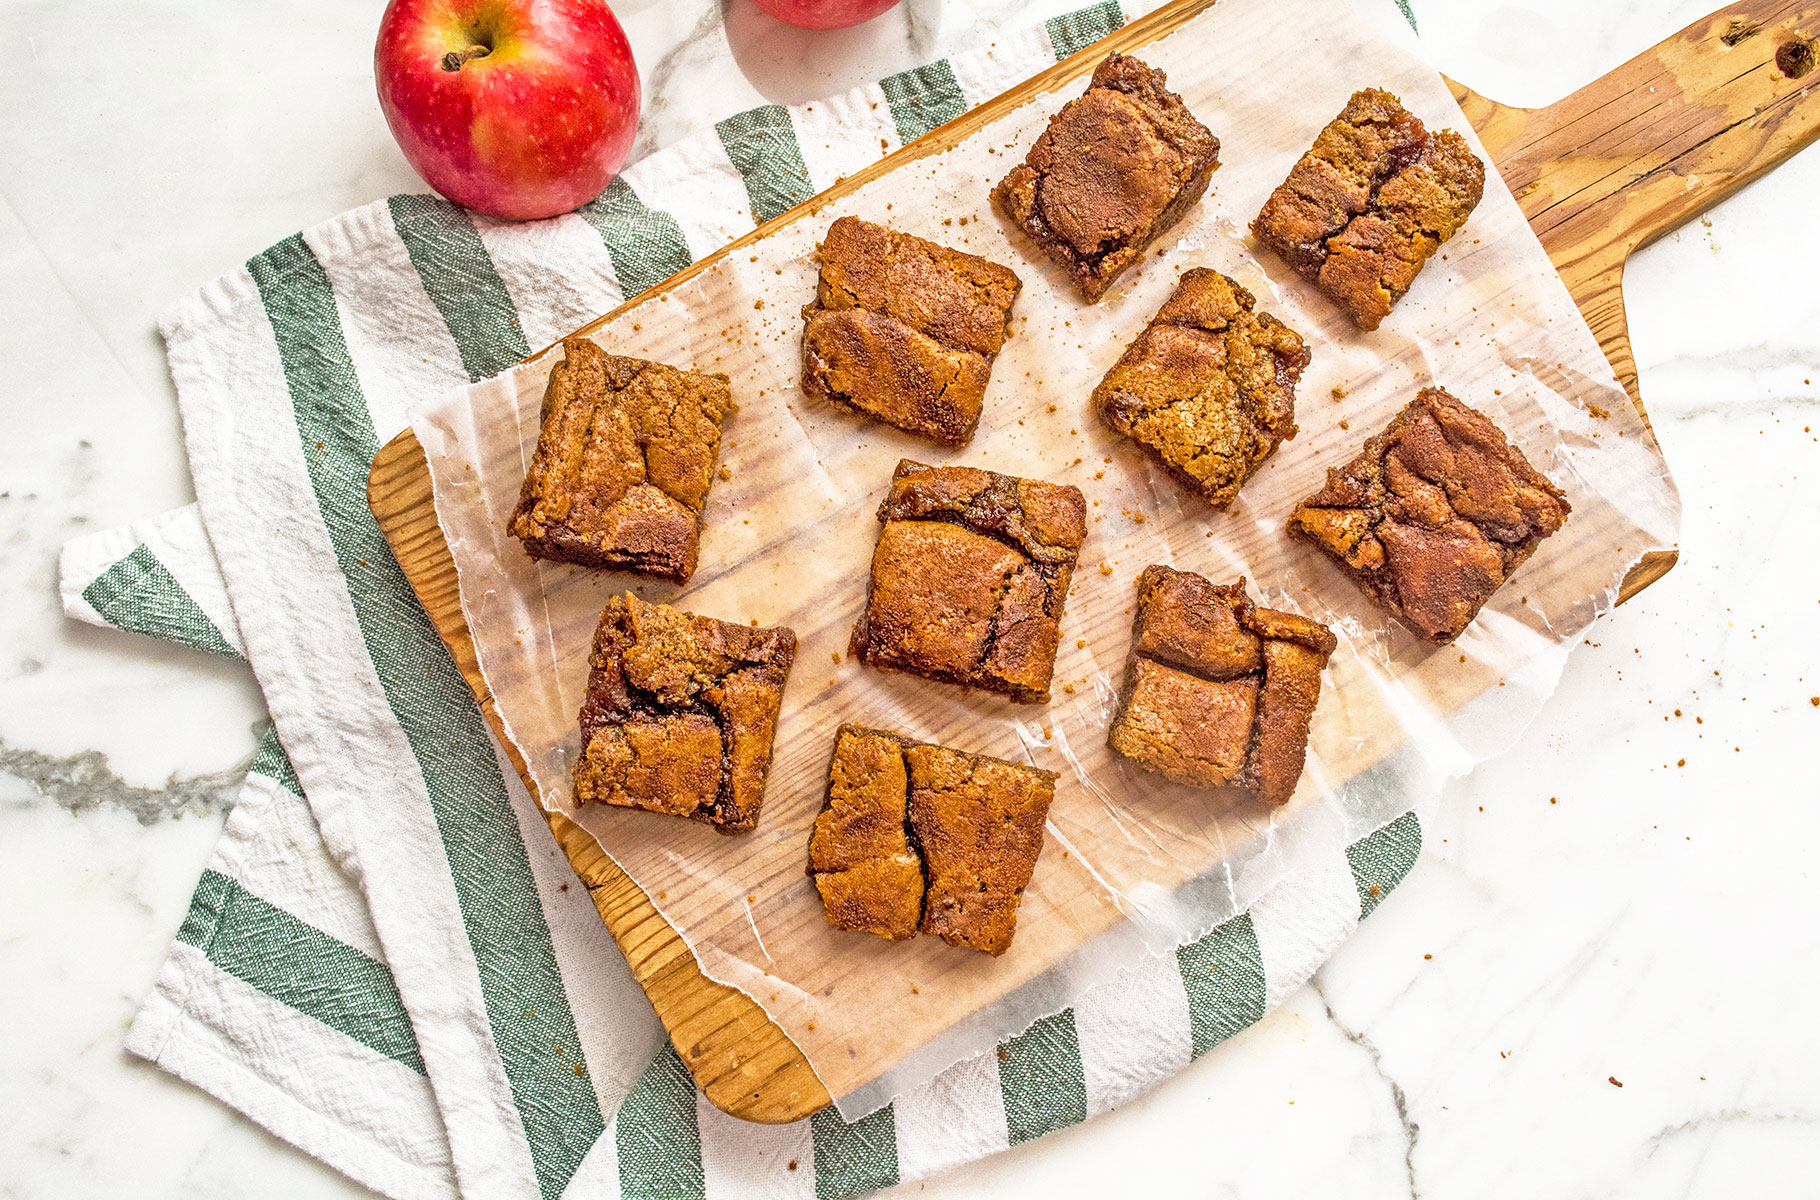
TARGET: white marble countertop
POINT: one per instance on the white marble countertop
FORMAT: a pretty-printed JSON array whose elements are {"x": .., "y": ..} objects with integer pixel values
[{"x": 1588, "y": 910}]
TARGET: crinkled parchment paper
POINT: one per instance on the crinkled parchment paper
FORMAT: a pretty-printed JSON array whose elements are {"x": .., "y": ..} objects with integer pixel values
[{"x": 1132, "y": 864}]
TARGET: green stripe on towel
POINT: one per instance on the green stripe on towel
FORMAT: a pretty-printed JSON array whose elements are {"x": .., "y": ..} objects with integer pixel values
[
  {"x": 297, "y": 964},
  {"x": 1380, "y": 862},
  {"x": 270, "y": 760},
  {"x": 849, "y": 1159},
  {"x": 459, "y": 276},
  {"x": 1041, "y": 1080},
  {"x": 527, "y": 1009},
  {"x": 923, "y": 98},
  {"x": 761, "y": 143},
  {"x": 1223, "y": 974},
  {"x": 1076, "y": 30},
  {"x": 657, "y": 1137},
  {"x": 646, "y": 245},
  {"x": 140, "y": 595}
]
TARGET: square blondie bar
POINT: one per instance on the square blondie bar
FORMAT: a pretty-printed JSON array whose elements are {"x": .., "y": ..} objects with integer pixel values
[
  {"x": 1208, "y": 389},
  {"x": 918, "y": 837},
  {"x": 1219, "y": 692},
  {"x": 680, "y": 712},
  {"x": 624, "y": 457},
  {"x": 905, "y": 330},
  {"x": 1433, "y": 514},
  {"x": 1116, "y": 168},
  {"x": 1370, "y": 203},
  {"x": 969, "y": 577}
]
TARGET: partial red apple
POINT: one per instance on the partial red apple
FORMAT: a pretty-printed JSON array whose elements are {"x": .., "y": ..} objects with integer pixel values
[
  {"x": 514, "y": 108},
  {"x": 825, "y": 14}
]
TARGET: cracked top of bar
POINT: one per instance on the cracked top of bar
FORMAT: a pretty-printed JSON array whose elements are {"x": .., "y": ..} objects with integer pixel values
[
  {"x": 1116, "y": 168},
  {"x": 680, "y": 712},
  {"x": 1208, "y": 389},
  {"x": 1218, "y": 692},
  {"x": 914, "y": 837},
  {"x": 1367, "y": 206},
  {"x": 623, "y": 462},
  {"x": 905, "y": 330},
  {"x": 969, "y": 578},
  {"x": 1433, "y": 515}
]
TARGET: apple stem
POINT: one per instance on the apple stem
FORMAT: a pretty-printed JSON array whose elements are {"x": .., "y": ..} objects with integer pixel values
[{"x": 453, "y": 60}]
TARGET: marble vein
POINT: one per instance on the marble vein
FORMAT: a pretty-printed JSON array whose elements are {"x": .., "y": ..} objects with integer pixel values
[
  {"x": 1398, "y": 1098},
  {"x": 696, "y": 46},
  {"x": 1724, "y": 1116},
  {"x": 83, "y": 782}
]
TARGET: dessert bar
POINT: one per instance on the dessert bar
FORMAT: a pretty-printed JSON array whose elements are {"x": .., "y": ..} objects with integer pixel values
[
  {"x": 1370, "y": 203},
  {"x": 1218, "y": 692},
  {"x": 918, "y": 837},
  {"x": 969, "y": 577},
  {"x": 680, "y": 712},
  {"x": 1208, "y": 389},
  {"x": 1114, "y": 170},
  {"x": 1433, "y": 515},
  {"x": 905, "y": 330},
  {"x": 623, "y": 463}
]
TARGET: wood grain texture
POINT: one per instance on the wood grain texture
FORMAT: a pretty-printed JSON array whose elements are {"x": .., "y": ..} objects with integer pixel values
[{"x": 1599, "y": 173}]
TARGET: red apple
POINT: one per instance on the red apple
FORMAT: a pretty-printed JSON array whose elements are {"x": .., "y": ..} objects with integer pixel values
[
  {"x": 515, "y": 108},
  {"x": 824, "y": 14}
]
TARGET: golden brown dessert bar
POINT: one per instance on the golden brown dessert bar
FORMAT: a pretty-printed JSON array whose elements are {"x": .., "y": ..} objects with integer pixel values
[
  {"x": 623, "y": 463},
  {"x": 918, "y": 837},
  {"x": 1116, "y": 168},
  {"x": 1370, "y": 203},
  {"x": 969, "y": 578},
  {"x": 905, "y": 330},
  {"x": 1219, "y": 692},
  {"x": 1208, "y": 389},
  {"x": 1433, "y": 515},
  {"x": 680, "y": 712}
]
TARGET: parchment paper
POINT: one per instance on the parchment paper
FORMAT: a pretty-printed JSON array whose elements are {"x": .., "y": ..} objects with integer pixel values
[{"x": 1132, "y": 865}]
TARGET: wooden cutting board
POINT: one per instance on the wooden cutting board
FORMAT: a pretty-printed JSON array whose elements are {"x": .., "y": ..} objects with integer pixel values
[{"x": 1599, "y": 174}]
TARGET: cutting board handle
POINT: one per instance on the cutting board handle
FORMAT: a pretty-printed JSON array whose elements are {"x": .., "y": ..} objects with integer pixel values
[
  {"x": 1641, "y": 149},
  {"x": 1663, "y": 138}
]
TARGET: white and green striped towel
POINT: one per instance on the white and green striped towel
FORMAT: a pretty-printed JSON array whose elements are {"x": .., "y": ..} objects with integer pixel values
[{"x": 400, "y": 974}]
